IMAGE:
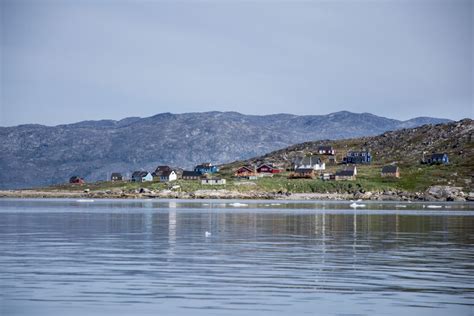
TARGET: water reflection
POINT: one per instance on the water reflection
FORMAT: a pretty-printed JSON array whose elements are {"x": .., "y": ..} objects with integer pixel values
[{"x": 152, "y": 257}]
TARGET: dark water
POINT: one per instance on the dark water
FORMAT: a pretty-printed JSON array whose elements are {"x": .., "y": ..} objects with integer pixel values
[{"x": 62, "y": 257}]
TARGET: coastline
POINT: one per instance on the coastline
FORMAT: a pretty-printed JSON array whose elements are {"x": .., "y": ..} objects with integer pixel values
[{"x": 437, "y": 193}]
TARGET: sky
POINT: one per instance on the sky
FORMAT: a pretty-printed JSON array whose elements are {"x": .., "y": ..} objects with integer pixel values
[{"x": 68, "y": 61}]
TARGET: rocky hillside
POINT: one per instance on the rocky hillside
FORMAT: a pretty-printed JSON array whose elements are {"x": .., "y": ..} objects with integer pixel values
[
  {"x": 36, "y": 155},
  {"x": 404, "y": 147}
]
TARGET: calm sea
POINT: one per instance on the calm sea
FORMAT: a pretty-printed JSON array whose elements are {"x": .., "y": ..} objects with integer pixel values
[{"x": 153, "y": 257}]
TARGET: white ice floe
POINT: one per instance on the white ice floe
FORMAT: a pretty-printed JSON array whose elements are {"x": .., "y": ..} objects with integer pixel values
[
  {"x": 276, "y": 204},
  {"x": 434, "y": 206},
  {"x": 400, "y": 205},
  {"x": 237, "y": 204},
  {"x": 355, "y": 205},
  {"x": 85, "y": 201},
  {"x": 207, "y": 234}
]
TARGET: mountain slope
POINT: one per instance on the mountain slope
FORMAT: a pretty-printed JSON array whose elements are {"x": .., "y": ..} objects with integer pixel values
[{"x": 36, "y": 155}]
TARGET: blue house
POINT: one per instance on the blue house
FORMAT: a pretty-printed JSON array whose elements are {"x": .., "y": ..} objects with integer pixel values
[
  {"x": 142, "y": 176},
  {"x": 358, "y": 157},
  {"x": 438, "y": 159},
  {"x": 206, "y": 168}
]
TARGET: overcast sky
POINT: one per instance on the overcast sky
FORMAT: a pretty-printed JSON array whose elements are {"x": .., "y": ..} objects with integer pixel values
[{"x": 66, "y": 61}]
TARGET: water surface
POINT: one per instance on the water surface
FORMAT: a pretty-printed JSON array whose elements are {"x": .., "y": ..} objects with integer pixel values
[{"x": 144, "y": 257}]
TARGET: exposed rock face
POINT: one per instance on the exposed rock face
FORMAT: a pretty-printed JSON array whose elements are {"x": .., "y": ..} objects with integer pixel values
[
  {"x": 36, "y": 155},
  {"x": 446, "y": 193}
]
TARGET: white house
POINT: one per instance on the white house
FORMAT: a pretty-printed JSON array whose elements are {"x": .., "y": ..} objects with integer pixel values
[
  {"x": 168, "y": 176},
  {"x": 142, "y": 176},
  {"x": 309, "y": 163},
  {"x": 215, "y": 181}
]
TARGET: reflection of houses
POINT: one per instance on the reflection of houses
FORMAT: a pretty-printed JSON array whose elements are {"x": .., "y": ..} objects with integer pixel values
[
  {"x": 349, "y": 173},
  {"x": 391, "y": 171},
  {"x": 309, "y": 162},
  {"x": 438, "y": 158},
  {"x": 303, "y": 173},
  {"x": 116, "y": 176},
  {"x": 358, "y": 157},
  {"x": 213, "y": 181},
  {"x": 326, "y": 150},
  {"x": 191, "y": 175},
  {"x": 168, "y": 176},
  {"x": 76, "y": 180},
  {"x": 141, "y": 176},
  {"x": 206, "y": 167}
]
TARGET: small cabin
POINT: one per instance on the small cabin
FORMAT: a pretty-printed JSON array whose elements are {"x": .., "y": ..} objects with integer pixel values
[
  {"x": 76, "y": 180},
  {"x": 116, "y": 176},
  {"x": 245, "y": 171},
  {"x": 206, "y": 167},
  {"x": 142, "y": 176},
  {"x": 213, "y": 181},
  {"x": 390, "y": 172},
  {"x": 358, "y": 157},
  {"x": 438, "y": 159},
  {"x": 190, "y": 175},
  {"x": 346, "y": 174},
  {"x": 268, "y": 168},
  {"x": 303, "y": 173},
  {"x": 168, "y": 176},
  {"x": 326, "y": 150}
]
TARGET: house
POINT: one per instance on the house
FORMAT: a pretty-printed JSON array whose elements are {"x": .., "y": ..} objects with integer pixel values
[
  {"x": 141, "y": 176},
  {"x": 303, "y": 173},
  {"x": 328, "y": 176},
  {"x": 358, "y": 157},
  {"x": 168, "y": 176},
  {"x": 326, "y": 150},
  {"x": 309, "y": 162},
  {"x": 267, "y": 168},
  {"x": 391, "y": 171},
  {"x": 213, "y": 181},
  {"x": 245, "y": 171},
  {"x": 332, "y": 160},
  {"x": 206, "y": 167},
  {"x": 438, "y": 158},
  {"x": 190, "y": 175},
  {"x": 346, "y": 174},
  {"x": 116, "y": 176},
  {"x": 76, "y": 180}
]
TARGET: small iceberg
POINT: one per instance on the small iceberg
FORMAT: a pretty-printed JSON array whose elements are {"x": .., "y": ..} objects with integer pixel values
[
  {"x": 84, "y": 201},
  {"x": 400, "y": 206},
  {"x": 355, "y": 205},
  {"x": 237, "y": 204},
  {"x": 434, "y": 206},
  {"x": 207, "y": 234},
  {"x": 276, "y": 204}
]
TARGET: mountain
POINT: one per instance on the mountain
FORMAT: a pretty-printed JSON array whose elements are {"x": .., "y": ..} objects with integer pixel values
[{"x": 36, "y": 155}]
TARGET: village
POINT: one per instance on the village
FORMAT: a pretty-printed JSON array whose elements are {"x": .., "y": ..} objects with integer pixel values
[{"x": 321, "y": 165}]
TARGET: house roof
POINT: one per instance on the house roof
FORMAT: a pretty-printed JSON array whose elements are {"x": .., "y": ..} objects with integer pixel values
[
  {"x": 205, "y": 165},
  {"x": 266, "y": 165},
  {"x": 160, "y": 169},
  {"x": 248, "y": 168},
  {"x": 304, "y": 170},
  {"x": 390, "y": 169},
  {"x": 345, "y": 173},
  {"x": 116, "y": 174},
  {"x": 140, "y": 174},
  {"x": 187, "y": 173},
  {"x": 326, "y": 148},
  {"x": 308, "y": 160},
  {"x": 167, "y": 173},
  {"x": 438, "y": 155}
]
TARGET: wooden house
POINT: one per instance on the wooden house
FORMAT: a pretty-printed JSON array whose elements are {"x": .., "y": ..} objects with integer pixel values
[
  {"x": 303, "y": 173},
  {"x": 141, "y": 176},
  {"x": 268, "y": 168},
  {"x": 206, "y": 167},
  {"x": 116, "y": 176},
  {"x": 326, "y": 150},
  {"x": 390, "y": 171},
  {"x": 309, "y": 162},
  {"x": 76, "y": 180},
  {"x": 346, "y": 174},
  {"x": 245, "y": 172},
  {"x": 190, "y": 175},
  {"x": 213, "y": 181},
  {"x": 438, "y": 158},
  {"x": 358, "y": 157},
  {"x": 168, "y": 176}
]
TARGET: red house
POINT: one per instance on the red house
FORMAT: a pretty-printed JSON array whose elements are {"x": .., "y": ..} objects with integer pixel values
[
  {"x": 244, "y": 171},
  {"x": 267, "y": 168},
  {"x": 76, "y": 180}
]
